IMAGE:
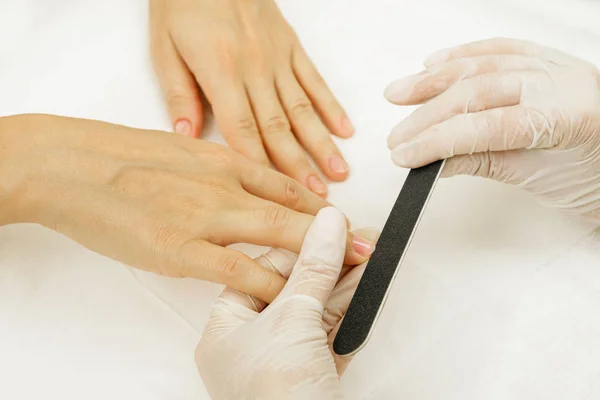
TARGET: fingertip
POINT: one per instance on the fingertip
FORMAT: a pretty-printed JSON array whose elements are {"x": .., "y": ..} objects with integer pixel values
[
  {"x": 338, "y": 169},
  {"x": 326, "y": 237},
  {"x": 400, "y": 91},
  {"x": 403, "y": 157},
  {"x": 347, "y": 128},
  {"x": 316, "y": 185},
  {"x": 183, "y": 127},
  {"x": 358, "y": 249}
]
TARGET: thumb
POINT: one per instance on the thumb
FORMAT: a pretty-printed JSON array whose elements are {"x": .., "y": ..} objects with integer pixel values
[
  {"x": 320, "y": 261},
  {"x": 179, "y": 88}
]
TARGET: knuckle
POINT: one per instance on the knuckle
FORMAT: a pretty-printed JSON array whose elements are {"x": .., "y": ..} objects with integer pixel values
[
  {"x": 246, "y": 127},
  {"x": 301, "y": 107},
  {"x": 230, "y": 267},
  {"x": 167, "y": 248},
  {"x": 276, "y": 124},
  {"x": 176, "y": 98},
  {"x": 291, "y": 194},
  {"x": 276, "y": 218}
]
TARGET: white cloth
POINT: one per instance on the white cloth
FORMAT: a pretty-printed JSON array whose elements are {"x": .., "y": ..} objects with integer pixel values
[{"x": 497, "y": 299}]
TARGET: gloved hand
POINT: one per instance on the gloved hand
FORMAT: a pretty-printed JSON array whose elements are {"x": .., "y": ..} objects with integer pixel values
[
  {"x": 283, "y": 351},
  {"x": 269, "y": 100},
  {"x": 509, "y": 110}
]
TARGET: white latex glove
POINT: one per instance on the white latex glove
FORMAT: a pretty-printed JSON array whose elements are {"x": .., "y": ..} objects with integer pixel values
[
  {"x": 509, "y": 110},
  {"x": 284, "y": 351}
]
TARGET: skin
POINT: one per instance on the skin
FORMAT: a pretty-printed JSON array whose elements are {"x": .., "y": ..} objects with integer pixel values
[
  {"x": 284, "y": 351},
  {"x": 153, "y": 200},
  {"x": 269, "y": 101}
]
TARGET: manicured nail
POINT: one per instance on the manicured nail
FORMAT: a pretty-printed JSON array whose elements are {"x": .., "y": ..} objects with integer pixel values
[
  {"x": 363, "y": 246},
  {"x": 337, "y": 164},
  {"x": 183, "y": 127},
  {"x": 316, "y": 185},
  {"x": 347, "y": 126}
]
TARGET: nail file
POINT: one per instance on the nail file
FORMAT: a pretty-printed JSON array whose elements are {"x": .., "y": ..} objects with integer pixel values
[{"x": 374, "y": 286}]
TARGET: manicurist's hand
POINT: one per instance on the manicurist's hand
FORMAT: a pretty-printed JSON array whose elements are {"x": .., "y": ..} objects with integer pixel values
[
  {"x": 154, "y": 200},
  {"x": 269, "y": 100},
  {"x": 284, "y": 351},
  {"x": 509, "y": 110}
]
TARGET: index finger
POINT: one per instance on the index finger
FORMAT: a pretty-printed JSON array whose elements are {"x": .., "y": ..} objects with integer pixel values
[{"x": 274, "y": 186}]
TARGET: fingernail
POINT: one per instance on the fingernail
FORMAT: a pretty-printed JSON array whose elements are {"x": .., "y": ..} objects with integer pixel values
[
  {"x": 316, "y": 185},
  {"x": 347, "y": 126},
  {"x": 401, "y": 90},
  {"x": 183, "y": 127},
  {"x": 337, "y": 164},
  {"x": 438, "y": 57},
  {"x": 363, "y": 246}
]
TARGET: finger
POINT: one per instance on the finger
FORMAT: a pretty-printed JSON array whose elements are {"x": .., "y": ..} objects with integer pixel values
[
  {"x": 206, "y": 261},
  {"x": 321, "y": 96},
  {"x": 179, "y": 88},
  {"x": 269, "y": 224},
  {"x": 235, "y": 119},
  {"x": 421, "y": 87},
  {"x": 276, "y": 187},
  {"x": 498, "y": 129},
  {"x": 482, "y": 92},
  {"x": 283, "y": 148},
  {"x": 309, "y": 128},
  {"x": 496, "y": 46},
  {"x": 276, "y": 260},
  {"x": 370, "y": 234},
  {"x": 320, "y": 260}
]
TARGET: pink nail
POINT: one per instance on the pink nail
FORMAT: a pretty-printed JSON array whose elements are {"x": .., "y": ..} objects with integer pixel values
[
  {"x": 316, "y": 185},
  {"x": 183, "y": 127},
  {"x": 337, "y": 164},
  {"x": 362, "y": 246}
]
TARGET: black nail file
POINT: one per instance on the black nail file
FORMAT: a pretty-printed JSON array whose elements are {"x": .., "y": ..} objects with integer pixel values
[{"x": 374, "y": 286}]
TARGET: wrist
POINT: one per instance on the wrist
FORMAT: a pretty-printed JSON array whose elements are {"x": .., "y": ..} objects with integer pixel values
[{"x": 16, "y": 181}]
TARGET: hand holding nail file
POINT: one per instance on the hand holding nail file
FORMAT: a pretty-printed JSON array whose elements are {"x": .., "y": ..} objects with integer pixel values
[{"x": 374, "y": 286}]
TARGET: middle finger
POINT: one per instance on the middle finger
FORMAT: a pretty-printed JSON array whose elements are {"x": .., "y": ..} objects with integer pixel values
[
  {"x": 281, "y": 145},
  {"x": 309, "y": 127}
]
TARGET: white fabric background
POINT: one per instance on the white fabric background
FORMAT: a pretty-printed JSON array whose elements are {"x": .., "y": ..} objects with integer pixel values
[{"x": 497, "y": 299}]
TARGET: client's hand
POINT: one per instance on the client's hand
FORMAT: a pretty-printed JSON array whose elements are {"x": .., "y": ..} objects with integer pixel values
[
  {"x": 283, "y": 351},
  {"x": 269, "y": 100},
  {"x": 153, "y": 200},
  {"x": 508, "y": 110}
]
